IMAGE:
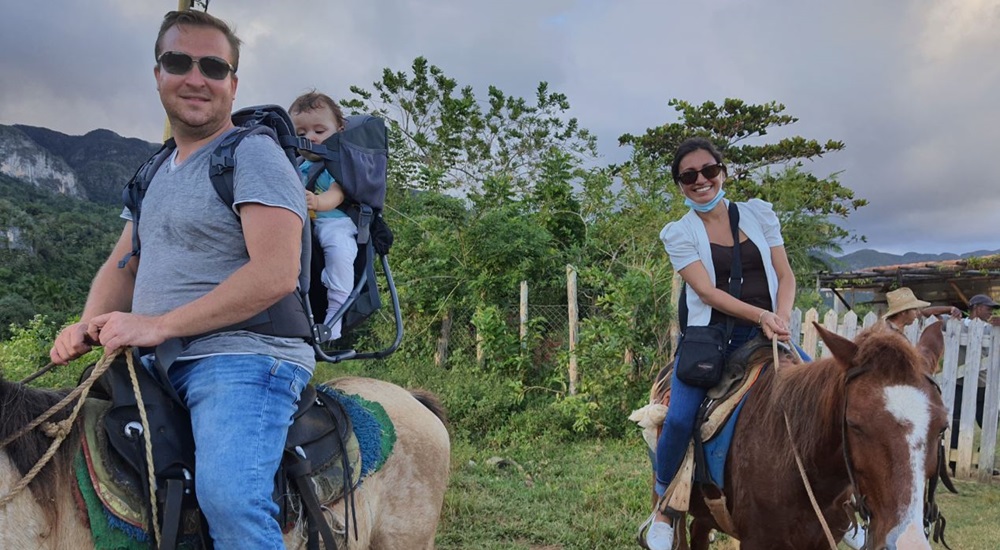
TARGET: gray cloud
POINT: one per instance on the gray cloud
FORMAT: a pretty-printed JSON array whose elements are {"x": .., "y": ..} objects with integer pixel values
[{"x": 909, "y": 86}]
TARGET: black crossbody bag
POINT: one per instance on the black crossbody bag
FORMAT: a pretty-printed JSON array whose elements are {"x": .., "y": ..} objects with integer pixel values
[{"x": 701, "y": 355}]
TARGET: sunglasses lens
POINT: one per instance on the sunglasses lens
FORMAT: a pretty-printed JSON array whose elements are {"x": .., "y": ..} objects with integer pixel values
[
  {"x": 711, "y": 171},
  {"x": 176, "y": 63},
  {"x": 214, "y": 68},
  {"x": 689, "y": 177}
]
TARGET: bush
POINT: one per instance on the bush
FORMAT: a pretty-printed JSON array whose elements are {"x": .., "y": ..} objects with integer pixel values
[{"x": 27, "y": 350}]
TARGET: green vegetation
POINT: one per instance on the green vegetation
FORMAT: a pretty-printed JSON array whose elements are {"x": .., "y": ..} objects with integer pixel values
[
  {"x": 593, "y": 495},
  {"x": 50, "y": 248},
  {"x": 576, "y": 474}
]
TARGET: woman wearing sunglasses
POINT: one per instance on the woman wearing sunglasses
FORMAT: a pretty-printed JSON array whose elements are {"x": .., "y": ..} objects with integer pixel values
[{"x": 700, "y": 246}]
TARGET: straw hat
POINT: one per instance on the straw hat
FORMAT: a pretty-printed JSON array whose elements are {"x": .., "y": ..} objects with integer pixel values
[{"x": 902, "y": 299}]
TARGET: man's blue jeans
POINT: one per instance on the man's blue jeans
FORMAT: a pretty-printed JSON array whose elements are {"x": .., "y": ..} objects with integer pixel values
[{"x": 241, "y": 408}]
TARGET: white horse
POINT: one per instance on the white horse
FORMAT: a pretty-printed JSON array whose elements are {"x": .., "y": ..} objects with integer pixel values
[{"x": 398, "y": 507}]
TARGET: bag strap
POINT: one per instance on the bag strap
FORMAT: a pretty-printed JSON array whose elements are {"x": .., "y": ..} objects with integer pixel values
[
  {"x": 735, "y": 275},
  {"x": 736, "y": 271}
]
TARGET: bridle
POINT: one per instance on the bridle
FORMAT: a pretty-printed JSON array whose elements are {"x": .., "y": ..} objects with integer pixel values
[
  {"x": 860, "y": 501},
  {"x": 934, "y": 521}
]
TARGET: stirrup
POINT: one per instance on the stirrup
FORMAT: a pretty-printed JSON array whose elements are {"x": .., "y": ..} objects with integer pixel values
[
  {"x": 644, "y": 530},
  {"x": 647, "y": 525}
]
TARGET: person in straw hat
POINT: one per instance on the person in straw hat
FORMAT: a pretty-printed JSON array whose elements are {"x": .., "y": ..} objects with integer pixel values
[{"x": 904, "y": 308}]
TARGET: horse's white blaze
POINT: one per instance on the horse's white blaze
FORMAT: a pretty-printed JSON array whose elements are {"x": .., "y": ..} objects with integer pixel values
[{"x": 912, "y": 409}]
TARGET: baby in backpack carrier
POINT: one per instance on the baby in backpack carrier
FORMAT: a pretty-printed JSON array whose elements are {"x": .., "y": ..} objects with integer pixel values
[{"x": 316, "y": 116}]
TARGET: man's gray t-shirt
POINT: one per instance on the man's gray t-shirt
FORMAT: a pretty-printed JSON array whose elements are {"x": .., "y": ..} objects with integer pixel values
[{"x": 192, "y": 241}]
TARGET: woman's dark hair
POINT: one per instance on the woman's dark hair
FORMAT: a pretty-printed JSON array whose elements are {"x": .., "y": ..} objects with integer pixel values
[{"x": 689, "y": 146}]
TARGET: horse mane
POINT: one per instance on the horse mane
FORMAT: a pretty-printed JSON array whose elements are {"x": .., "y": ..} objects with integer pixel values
[
  {"x": 812, "y": 394},
  {"x": 19, "y": 405}
]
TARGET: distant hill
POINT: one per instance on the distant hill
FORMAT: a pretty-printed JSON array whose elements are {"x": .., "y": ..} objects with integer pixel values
[
  {"x": 96, "y": 165},
  {"x": 867, "y": 257},
  {"x": 101, "y": 161}
]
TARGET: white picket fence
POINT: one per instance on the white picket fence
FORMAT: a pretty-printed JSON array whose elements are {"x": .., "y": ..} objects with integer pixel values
[{"x": 969, "y": 350}]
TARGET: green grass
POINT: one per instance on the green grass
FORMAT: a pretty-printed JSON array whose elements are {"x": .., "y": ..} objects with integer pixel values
[
  {"x": 973, "y": 516},
  {"x": 590, "y": 495},
  {"x": 593, "y": 495}
]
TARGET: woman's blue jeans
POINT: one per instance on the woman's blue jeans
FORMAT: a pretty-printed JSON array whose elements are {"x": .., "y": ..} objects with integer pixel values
[
  {"x": 678, "y": 426},
  {"x": 241, "y": 407}
]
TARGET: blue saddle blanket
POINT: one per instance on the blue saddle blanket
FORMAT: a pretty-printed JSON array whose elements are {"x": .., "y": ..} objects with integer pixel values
[{"x": 717, "y": 450}]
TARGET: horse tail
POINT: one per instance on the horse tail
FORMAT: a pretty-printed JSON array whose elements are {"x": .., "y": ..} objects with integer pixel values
[
  {"x": 433, "y": 404},
  {"x": 661, "y": 385}
]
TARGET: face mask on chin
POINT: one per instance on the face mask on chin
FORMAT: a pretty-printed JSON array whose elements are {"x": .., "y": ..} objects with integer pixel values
[{"x": 708, "y": 206}]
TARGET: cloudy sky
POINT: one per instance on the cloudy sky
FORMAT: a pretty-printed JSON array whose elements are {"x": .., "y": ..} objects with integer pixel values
[{"x": 911, "y": 86}]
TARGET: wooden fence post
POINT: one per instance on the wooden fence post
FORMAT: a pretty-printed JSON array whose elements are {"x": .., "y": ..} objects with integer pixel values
[
  {"x": 574, "y": 318},
  {"x": 524, "y": 316},
  {"x": 949, "y": 374},
  {"x": 870, "y": 319},
  {"x": 850, "y": 325},
  {"x": 809, "y": 332},
  {"x": 970, "y": 385},
  {"x": 444, "y": 338},
  {"x": 988, "y": 439},
  {"x": 829, "y": 323},
  {"x": 795, "y": 327}
]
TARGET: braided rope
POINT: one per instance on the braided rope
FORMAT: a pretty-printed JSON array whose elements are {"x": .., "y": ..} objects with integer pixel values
[
  {"x": 150, "y": 471},
  {"x": 59, "y": 429}
]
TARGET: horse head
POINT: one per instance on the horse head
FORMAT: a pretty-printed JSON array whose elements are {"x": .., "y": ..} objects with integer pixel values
[{"x": 893, "y": 418}]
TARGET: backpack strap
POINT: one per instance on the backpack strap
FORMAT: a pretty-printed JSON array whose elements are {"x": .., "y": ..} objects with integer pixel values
[
  {"x": 135, "y": 190},
  {"x": 288, "y": 317},
  {"x": 312, "y": 176}
]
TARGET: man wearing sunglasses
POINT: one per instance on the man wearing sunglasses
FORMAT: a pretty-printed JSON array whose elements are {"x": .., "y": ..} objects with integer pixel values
[{"x": 204, "y": 268}]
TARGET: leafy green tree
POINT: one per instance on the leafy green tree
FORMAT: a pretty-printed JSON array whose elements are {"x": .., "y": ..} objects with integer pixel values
[
  {"x": 809, "y": 207},
  {"x": 444, "y": 139}
]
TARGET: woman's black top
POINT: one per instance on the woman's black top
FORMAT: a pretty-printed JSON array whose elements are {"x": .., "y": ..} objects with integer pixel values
[{"x": 754, "y": 291}]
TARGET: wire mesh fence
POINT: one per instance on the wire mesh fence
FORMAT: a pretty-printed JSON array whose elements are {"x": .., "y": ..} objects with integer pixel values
[{"x": 544, "y": 332}]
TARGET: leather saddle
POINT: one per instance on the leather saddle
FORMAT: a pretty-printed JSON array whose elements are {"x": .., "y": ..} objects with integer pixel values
[{"x": 321, "y": 452}]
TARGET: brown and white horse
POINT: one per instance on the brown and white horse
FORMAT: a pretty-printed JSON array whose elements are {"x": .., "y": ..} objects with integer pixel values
[
  {"x": 867, "y": 423},
  {"x": 398, "y": 507}
]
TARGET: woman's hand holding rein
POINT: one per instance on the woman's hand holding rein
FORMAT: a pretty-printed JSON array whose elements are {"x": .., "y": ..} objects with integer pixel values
[{"x": 773, "y": 326}]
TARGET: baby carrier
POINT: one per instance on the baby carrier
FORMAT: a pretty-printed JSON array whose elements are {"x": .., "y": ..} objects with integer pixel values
[{"x": 357, "y": 158}]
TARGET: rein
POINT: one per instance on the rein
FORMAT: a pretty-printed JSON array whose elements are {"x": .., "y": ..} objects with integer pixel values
[
  {"x": 798, "y": 459},
  {"x": 59, "y": 431}
]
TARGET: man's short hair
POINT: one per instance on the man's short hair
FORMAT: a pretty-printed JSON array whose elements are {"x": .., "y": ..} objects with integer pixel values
[{"x": 196, "y": 18}]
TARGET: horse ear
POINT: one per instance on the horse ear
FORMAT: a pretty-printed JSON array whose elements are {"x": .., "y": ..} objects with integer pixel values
[
  {"x": 931, "y": 346},
  {"x": 841, "y": 348}
]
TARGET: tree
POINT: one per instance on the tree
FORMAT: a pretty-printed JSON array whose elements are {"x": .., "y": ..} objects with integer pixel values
[
  {"x": 808, "y": 206},
  {"x": 443, "y": 139}
]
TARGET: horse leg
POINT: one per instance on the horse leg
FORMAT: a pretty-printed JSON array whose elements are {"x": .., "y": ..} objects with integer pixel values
[{"x": 699, "y": 535}]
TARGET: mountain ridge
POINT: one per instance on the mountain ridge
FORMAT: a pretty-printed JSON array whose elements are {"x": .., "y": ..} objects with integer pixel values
[
  {"x": 869, "y": 257},
  {"x": 100, "y": 161},
  {"x": 95, "y": 166}
]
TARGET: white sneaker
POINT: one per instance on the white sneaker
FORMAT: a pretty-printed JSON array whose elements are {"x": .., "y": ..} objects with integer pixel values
[
  {"x": 856, "y": 538},
  {"x": 660, "y": 536}
]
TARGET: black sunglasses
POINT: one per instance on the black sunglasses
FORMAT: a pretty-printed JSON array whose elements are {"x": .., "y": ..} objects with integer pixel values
[
  {"x": 690, "y": 176},
  {"x": 210, "y": 66}
]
